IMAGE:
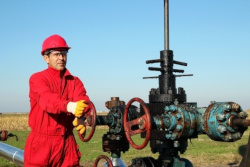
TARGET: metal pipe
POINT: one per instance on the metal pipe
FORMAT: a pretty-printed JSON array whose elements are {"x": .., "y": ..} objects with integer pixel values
[
  {"x": 104, "y": 120},
  {"x": 11, "y": 153},
  {"x": 166, "y": 25},
  {"x": 241, "y": 122}
]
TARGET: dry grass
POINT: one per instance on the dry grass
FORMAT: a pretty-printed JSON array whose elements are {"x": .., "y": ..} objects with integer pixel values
[
  {"x": 19, "y": 122},
  {"x": 14, "y": 122}
]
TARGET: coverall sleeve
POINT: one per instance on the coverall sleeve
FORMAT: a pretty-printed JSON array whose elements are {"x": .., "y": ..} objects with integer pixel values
[
  {"x": 41, "y": 93},
  {"x": 80, "y": 91}
]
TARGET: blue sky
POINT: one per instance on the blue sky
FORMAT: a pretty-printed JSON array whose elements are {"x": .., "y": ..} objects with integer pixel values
[{"x": 112, "y": 39}]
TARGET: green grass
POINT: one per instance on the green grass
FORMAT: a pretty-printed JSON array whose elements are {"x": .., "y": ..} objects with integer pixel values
[
  {"x": 200, "y": 151},
  {"x": 206, "y": 151}
]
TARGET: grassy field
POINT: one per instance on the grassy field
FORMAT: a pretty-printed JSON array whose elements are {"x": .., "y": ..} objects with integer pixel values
[{"x": 201, "y": 152}]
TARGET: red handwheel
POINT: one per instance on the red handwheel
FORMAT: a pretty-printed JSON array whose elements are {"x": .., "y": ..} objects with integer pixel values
[
  {"x": 88, "y": 119},
  {"x": 143, "y": 122},
  {"x": 104, "y": 157}
]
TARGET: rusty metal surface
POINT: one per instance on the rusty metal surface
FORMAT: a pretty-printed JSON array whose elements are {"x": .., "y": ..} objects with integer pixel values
[
  {"x": 114, "y": 102},
  {"x": 103, "y": 157},
  {"x": 112, "y": 142},
  {"x": 236, "y": 122},
  {"x": 206, "y": 117}
]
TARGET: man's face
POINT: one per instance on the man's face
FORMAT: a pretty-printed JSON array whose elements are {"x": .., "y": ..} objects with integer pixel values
[{"x": 56, "y": 59}]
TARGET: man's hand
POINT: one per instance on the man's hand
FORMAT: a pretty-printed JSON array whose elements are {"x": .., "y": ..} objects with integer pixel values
[
  {"x": 77, "y": 108},
  {"x": 80, "y": 127}
]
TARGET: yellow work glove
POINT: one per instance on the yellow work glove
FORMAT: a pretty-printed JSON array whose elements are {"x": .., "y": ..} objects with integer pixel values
[
  {"x": 80, "y": 127},
  {"x": 77, "y": 108}
]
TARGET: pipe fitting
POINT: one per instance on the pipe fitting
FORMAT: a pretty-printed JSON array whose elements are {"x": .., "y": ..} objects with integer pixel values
[
  {"x": 221, "y": 117},
  {"x": 221, "y": 129},
  {"x": 179, "y": 128},
  {"x": 173, "y": 108},
  {"x": 178, "y": 116}
]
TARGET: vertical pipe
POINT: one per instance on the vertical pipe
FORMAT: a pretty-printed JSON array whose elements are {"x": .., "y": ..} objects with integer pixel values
[{"x": 166, "y": 25}]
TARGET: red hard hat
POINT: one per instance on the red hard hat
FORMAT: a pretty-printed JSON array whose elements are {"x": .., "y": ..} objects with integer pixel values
[{"x": 54, "y": 41}]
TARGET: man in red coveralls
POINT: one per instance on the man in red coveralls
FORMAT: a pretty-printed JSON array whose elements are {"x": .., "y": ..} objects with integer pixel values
[{"x": 56, "y": 99}]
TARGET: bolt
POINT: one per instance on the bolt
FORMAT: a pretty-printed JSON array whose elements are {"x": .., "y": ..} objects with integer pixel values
[
  {"x": 174, "y": 135},
  {"x": 168, "y": 136},
  {"x": 176, "y": 102},
  {"x": 236, "y": 107},
  {"x": 236, "y": 135},
  {"x": 243, "y": 114},
  {"x": 227, "y": 107},
  {"x": 153, "y": 91},
  {"x": 166, "y": 108},
  {"x": 178, "y": 116},
  {"x": 179, "y": 128},
  {"x": 141, "y": 123},
  {"x": 173, "y": 108},
  {"x": 239, "y": 135},
  {"x": 221, "y": 129},
  {"x": 221, "y": 117},
  {"x": 176, "y": 144},
  {"x": 228, "y": 137},
  {"x": 158, "y": 142}
]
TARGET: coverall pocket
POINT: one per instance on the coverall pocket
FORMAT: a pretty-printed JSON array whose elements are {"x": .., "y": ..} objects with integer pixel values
[
  {"x": 39, "y": 150},
  {"x": 72, "y": 153}
]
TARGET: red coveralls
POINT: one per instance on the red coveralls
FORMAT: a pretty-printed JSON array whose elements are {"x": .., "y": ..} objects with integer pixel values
[{"x": 51, "y": 141}]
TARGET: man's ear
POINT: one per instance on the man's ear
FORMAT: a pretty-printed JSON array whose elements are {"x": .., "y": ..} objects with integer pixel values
[{"x": 46, "y": 58}]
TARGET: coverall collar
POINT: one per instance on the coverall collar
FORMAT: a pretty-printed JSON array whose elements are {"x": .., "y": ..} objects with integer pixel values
[{"x": 58, "y": 72}]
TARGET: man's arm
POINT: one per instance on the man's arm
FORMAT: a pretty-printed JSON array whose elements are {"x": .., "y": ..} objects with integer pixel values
[{"x": 43, "y": 95}]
